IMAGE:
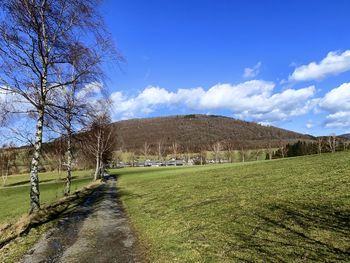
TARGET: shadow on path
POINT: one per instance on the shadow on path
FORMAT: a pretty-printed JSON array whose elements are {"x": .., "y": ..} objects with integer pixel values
[{"x": 96, "y": 231}]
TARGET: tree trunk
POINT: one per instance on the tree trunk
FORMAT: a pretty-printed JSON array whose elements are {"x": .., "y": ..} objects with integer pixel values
[
  {"x": 98, "y": 157},
  {"x": 34, "y": 178},
  {"x": 97, "y": 170},
  {"x": 69, "y": 165},
  {"x": 102, "y": 169}
]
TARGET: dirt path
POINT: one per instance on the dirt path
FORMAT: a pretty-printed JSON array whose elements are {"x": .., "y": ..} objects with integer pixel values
[{"x": 97, "y": 231}]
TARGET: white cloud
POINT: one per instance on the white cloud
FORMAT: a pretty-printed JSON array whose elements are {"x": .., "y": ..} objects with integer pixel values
[
  {"x": 252, "y": 72},
  {"x": 338, "y": 99},
  {"x": 92, "y": 89},
  {"x": 253, "y": 99},
  {"x": 339, "y": 119},
  {"x": 309, "y": 125},
  {"x": 337, "y": 103},
  {"x": 333, "y": 64}
]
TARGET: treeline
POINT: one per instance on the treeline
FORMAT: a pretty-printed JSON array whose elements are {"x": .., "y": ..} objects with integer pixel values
[
  {"x": 195, "y": 158},
  {"x": 321, "y": 145}
]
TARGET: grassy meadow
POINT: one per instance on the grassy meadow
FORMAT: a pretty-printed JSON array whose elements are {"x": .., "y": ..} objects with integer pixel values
[
  {"x": 287, "y": 210},
  {"x": 14, "y": 195}
]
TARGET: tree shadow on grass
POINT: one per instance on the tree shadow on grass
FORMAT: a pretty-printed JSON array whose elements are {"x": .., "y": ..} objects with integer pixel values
[
  {"x": 56, "y": 180},
  {"x": 26, "y": 182},
  {"x": 122, "y": 192},
  {"x": 297, "y": 232},
  {"x": 64, "y": 210}
]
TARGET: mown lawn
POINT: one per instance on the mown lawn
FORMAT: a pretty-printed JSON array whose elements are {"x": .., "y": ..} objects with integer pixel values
[
  {"x": 23, "y": 179},
  {"x": 14, "y": 197},
  {"x": 290, "y": 210}
]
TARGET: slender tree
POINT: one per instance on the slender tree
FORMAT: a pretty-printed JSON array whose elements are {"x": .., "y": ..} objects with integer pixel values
[
  {"x": 332, "y": 143},
  {"x": 39, "y": 40},
  {"x": 217, "y": 147},
  {"x": 242, "y": 153},
  {"x": 229, "y": 148},
  {"x": 175, "y": 149},
  {"x": 8, "y": 156},
  {"x": 145, "y": 150},
  {"x": 69, "y": 112},
  {"x": 282, "y": 148},
  {"x": 99, "y": 141},
  {"x": 160, "y": 149},
  {"x": 257, "y": 152},
  {"x": 319, "y": 145},
  {"x": 269, "y": 151}
]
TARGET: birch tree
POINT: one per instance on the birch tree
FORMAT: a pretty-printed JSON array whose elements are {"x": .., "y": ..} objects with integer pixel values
[
  {"x": 217, "y": 147},
  {"x": 99, "y": 141},
  {"x": 160, "y": 149},
  {"x": 8, "y": 155},
  {"x": 145, "y": 150},
  {"x": 175, "y": 148},
  {"x": 242, "y": 153},
  {"x": 70, "y": 111},
  {"x": 332, "y": 143},
  {"x": 319, "y": 145},
  {"x": 229, "y": 148},
  {"x": 269, "y": 151},
  {"x": 282, "y": 148},
  {"x": 39, "y": 40}
]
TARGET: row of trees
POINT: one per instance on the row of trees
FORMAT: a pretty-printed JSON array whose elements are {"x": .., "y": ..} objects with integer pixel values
[
  {"x": 160, "y": 150},
  {"x": 51, "y": 53},
  {"x": 229, "y": 151},
  {"x": 217, "y": 153},
  {"x": 321, "y": 145}
]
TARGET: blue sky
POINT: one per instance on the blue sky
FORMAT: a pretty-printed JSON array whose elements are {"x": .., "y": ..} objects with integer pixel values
[{"x": 284, "y": 63}]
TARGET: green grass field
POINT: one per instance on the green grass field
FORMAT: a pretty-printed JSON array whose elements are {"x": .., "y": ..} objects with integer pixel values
[
  {"x": 23, "y": 179},
  {"x": 290, "y": 210},
  {"x": 14, "y": 196}
]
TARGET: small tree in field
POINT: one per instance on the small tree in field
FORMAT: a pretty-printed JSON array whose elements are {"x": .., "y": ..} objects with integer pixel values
[
  {"x": 145, "y": 150},
  {"x": 242, "y": 154},
  {"x": 71, "y": 110},
  {"x": 99, "y": 141},
  {"x": 332, "y": 143},
  {"x": 217, "y": 147},
  {"x": 229, "y": 150},
  {"x": 8, "y": 155},
  {"x": 175, "y": 149},
  {"x": 160, "y": 149},
  {"x": 269, "y": 151},
  {"x": 319, "y": 145}
]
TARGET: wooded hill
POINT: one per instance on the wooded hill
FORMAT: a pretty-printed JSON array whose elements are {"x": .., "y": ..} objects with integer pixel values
[
  {"x": 345, "y": 136},
  {"x": 190, "y": 133},
  {"x": 199, "y": 132}
]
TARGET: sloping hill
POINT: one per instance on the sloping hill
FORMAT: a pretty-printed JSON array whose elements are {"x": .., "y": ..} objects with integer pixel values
[
  {"x": 345, "y": 136},
  {"x": 195, "y": 132}
]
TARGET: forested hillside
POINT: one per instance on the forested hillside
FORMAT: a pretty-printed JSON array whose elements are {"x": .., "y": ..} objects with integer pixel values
[{"x": 199, "y": 132}]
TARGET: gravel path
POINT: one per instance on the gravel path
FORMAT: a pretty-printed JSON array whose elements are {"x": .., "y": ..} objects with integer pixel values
[{"x": 97, "y": 231}]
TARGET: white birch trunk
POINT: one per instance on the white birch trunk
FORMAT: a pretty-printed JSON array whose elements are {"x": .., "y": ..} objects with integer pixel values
[
  {"x": 34, "y": 177},
  {"x": 69, "y": 164}
]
